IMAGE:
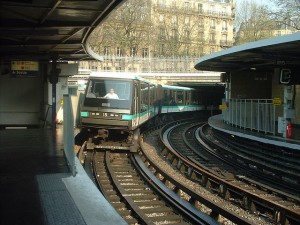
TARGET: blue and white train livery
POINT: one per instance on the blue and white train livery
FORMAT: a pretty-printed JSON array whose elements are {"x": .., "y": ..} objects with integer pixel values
[{"x": 117, "y": 104}]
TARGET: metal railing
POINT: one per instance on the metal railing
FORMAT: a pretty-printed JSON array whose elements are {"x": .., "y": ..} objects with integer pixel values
[
  {"x": 253, "y": 114},
  {"x": 68, "y": 129}
]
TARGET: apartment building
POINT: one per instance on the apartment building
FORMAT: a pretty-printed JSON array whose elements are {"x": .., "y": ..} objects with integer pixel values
[{"x": 162, "y": 35}]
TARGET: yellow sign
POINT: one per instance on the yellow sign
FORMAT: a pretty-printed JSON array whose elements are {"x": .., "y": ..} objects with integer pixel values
[
  {"x": 25, "y": 68},
  {"x": 25, "y": 65},
  {"x": 276, "y": 101},
  {"x": 223, "y": 107}
]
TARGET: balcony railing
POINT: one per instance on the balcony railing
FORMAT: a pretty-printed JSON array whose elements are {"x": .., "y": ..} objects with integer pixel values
[{"x": 226, "y": 43}]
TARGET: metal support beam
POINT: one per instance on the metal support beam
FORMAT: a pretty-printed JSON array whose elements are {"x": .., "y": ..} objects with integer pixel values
[{"x": 54, "y": 71}]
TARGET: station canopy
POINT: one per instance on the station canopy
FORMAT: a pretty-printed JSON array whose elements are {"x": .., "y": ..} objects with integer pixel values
[
  {"x": 263, "y": 55},
  {"x": 43, "y": 29}
]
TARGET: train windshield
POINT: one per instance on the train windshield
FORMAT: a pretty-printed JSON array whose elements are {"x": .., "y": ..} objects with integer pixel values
[{"x": 109, "y": 93}]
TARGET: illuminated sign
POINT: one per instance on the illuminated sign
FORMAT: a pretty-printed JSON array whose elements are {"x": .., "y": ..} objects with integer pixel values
[
  {"x": 24, "y": 68},
  {"x": 223, "y": 107},
  {"x": 276, "y": 101}
]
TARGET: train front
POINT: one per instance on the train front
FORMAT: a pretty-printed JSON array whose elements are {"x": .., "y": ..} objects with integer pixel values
[{"x": 106, "y": 112}]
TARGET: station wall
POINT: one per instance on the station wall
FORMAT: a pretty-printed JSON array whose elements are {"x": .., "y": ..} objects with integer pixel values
[
  {"x": 20, "y": 100},
  {"x": 251, "y": 85}
]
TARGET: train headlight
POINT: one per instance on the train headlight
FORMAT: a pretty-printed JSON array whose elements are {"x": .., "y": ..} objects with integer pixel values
[{"x": 84, "y": 114}]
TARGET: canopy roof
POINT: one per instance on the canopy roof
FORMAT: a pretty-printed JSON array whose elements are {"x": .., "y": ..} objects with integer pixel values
[
  {"x": 262, "y": 55},
  {"x": 43, "y": 29}
]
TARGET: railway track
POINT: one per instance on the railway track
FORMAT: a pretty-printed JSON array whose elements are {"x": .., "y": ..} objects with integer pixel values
[
  {"x": 120, "y": 178},
  {"x": 251, "y": 195},
  {"x": 276, "y": 164},
  {"x": 182, "y": 138}
]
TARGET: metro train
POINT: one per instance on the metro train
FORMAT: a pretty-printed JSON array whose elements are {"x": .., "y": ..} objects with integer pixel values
[{"x": 116, "y": 118}]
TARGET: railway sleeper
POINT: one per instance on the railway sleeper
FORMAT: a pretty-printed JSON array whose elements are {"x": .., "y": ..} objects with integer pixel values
[
  {"x": 124, "y": 213},
  {"x": 154, "y": 203},
  {"x": 132, "y": 221},
  {"x": 138, "y": 192},
  {"x": 114, "y": 198},
  {"x": 164, "y": 209},
  {"x": 168, "y": 218},
  {"x": 144, "y": 198},
  {"x": 135, "y": 183},
  {"x": 110, "y": 192}
]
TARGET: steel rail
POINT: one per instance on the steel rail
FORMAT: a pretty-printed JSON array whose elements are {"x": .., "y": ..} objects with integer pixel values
[
  {"x": 194, "y": 197},
  {"x": 184, "y": 207},
  {"x": 282, "y": 213}
]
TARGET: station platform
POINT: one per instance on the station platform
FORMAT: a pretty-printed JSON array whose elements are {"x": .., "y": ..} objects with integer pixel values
[
  {"x": 37, "y": 187},
  {"x": 293, "y": 143}
]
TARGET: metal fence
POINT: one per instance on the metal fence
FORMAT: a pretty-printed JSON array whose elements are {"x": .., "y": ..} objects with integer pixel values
[
  {"x": 253, "y": 114},
  {"x": 147, "y": 64},
  {"x": 69, "y": 134}
]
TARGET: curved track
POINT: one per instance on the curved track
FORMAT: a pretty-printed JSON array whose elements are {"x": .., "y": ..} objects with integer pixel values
[
  {"x": 278, "y": 206},
  {"x": 275, "y": 165}
]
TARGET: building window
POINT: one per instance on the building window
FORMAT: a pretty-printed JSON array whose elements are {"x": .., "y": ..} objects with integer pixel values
[
  {"x": 133, "y": 51},
  {"x": 162, "y": 3},
  {"x": 174, "y": 20},
  {"x": 212, "y": 24},
  {"x": 119, "y": 52},
  {"x": 278, "y": 33},
  {"x": 161, "y": 18},
  {"x": 187, "y": 20},
  {"x": 145, "y": 52},
  {"x": 224, "y": 11},
  {"x": 200, "y": 8},
  {"x": 106, "y": 50},
  {"x": 224, "y": 25},
  {"x": 161, "y": 33},
  {"x": 173, "y": 33},
  {"x": 201, "y": 36},
  {"x": 201, "y": 23},
  {"x": 187, "y": 5},
  {"x": 161, "y": 49},
  {"x": 211, "y": 10},
  {"x": 212, "y": 38},
  {"x": 187, "y": 50},
  {"x": 107, "y": 68},
  {"x": 174, "y": 4},
  {"x": 187, "y": 34}
]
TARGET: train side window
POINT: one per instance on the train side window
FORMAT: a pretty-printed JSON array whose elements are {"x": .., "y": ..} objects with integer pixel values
[
  {"x": 179, "y": 97},
  {"x": 166, "y": 97},
  {"x": 188, "y": 97}
]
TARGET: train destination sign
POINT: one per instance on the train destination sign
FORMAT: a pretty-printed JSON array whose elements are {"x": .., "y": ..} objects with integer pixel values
[{"x": 25, "y": 68}]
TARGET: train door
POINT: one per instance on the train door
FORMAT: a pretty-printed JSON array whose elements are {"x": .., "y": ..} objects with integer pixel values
[
  {"x": 135, "y": 105},
  {"x": 144, "y": 102}
]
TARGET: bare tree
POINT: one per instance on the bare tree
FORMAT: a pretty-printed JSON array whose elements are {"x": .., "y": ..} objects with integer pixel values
[
  {"x": 127, "y": 29},
  {"x": 286, "y": 12},
  {"x": 252, "y": 22}
]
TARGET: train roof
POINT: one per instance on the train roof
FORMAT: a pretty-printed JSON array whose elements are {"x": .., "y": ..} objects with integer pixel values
[
  {"x": 118, "y": 75},
  {"x": 177, "y": 87}
]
